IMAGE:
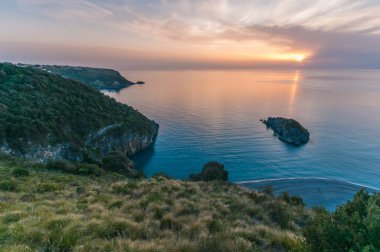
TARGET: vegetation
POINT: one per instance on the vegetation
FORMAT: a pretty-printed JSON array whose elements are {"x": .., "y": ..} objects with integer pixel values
[
  {"x": 46, "y": 209},
  {"x": 107, "y": 205},
  {"x": 54, "y": 211},
  {"x": 41, "y": 109},
  {"x": 354, "y": 226},
  {"x": 98, "y": 78},
  {"x": 211, "y": 171},
  {"x": 75, "y": 168}
]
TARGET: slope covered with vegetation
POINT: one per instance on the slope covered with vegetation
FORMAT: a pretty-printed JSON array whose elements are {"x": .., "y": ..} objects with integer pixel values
[
  {"x": 44, "y": 210},
  {"x": 41, "y": 110},
  {"x": 48, "y": 210},
  {"x": 99, "y": 78},
  {"x": 354, "y": 226}
]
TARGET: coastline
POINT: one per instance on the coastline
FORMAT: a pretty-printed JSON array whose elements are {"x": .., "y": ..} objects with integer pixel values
[{"x": 315, "y": 191}]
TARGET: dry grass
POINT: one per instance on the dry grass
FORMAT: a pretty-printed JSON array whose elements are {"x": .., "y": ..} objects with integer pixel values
[{"x": 52, "y": 211}]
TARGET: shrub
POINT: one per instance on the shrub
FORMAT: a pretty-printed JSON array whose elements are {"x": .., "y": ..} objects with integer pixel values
[
  {"x": 48, "y": 187},
  {"x": 8, "y": 185},
  {"x": 89, "y": 169},
  {"x": 267, "y": 189},
  {"x": 124, "y": 187},
  {"x": 62, "y": 165},
  {"x": 78, "y": 168},
  {"x": 211, "y": 171},
  {"x": 80, "y": 189},
  {"x": 118, "y": 162},
  {"x": 216, "y": 226},
  {"x": 116, "y": 204},
  {"x": 20, "y": 172},
  {"x": 292, "y": 200},
  {"x": 280, "y": 213},
  {"x": 354, "y": 226}
]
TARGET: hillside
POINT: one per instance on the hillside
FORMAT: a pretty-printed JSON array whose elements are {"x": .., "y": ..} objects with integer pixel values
[
  {"x": 99, "y": 78},
  {"x": 43, "y": 115},
  {"x": 47, "y": 210},
  {"x": 54, "y": 211}
]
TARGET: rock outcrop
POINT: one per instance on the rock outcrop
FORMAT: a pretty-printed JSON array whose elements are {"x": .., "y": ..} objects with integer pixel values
[
  {"x": 113, "y": 138},
  {"x": 288, "y": 130}
]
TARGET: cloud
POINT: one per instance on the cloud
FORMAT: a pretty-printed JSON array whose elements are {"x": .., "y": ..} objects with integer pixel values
[
  {"x": 336, "y": 32},
  {"x": 331, "y": 48}
]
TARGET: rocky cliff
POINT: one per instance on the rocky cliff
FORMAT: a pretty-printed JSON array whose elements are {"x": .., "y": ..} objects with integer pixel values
[{"x": 44, "y": 116}]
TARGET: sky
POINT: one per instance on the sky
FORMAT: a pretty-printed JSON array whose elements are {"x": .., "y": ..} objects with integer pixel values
[{"x": 192, "y": 34}]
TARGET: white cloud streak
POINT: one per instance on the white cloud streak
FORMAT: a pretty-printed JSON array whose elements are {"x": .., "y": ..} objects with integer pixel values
[{"x": 284, "y": 24}]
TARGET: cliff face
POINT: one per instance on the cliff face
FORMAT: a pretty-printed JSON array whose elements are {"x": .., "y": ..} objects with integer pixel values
[
  {"x": 113, "y": 138},
  {"x": 95, "y": 148},
  {"x": 44, "y": 116}
]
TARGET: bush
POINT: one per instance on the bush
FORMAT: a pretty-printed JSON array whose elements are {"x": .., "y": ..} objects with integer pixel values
[
  {"x": 267, "y": 189},
  {"x": 61, "y": 165},
  {"x": 120, "y": 163},
  {"x": 20, "y": 172},
  {"x": 78, "y": 168},
  {"x": 89, "y": 169},
  {"x": 354, "y": 226},
  {"x": 211, "y": 171},
  {"x": 48, "y": 187},
  {"x": 216, "y": 226},
  {"x": 292, "y": 200},
  {"x": 8, "y": 185}
]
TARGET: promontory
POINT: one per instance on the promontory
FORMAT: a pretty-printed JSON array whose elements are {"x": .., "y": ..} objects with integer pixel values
[
  {"x": 45, "y": 116},
  {"x": 98, "y": 78}
]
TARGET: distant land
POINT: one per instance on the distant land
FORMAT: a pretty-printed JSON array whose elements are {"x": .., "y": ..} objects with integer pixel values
[{"x": 99, "y": 78}]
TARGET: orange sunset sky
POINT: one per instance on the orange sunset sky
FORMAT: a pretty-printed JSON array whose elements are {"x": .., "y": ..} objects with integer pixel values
[{"x": 209, "y": 34}]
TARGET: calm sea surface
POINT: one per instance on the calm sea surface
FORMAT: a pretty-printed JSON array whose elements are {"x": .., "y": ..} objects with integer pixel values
[{"x": 215, "y": 115}]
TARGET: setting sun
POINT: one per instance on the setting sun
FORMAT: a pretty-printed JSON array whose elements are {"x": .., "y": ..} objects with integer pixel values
[{"x": 299, "y": 58}]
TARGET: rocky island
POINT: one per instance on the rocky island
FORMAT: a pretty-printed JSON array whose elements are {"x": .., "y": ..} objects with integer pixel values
[
  {"x": 288, "y": 130},
  {"x": 45, "y": 116},
  {"x": 98, "y": 78}
]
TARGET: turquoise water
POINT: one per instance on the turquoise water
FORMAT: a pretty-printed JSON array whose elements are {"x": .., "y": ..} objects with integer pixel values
[{"x": 216, "y": 115}]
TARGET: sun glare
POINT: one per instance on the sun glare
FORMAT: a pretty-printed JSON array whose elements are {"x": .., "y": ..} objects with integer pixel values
[{"x": 299, "y": 58}]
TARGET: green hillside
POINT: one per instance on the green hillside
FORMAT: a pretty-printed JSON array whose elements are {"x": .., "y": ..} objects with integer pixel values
[
  {"x": 99, "y": 78},
  {"x": 42, "y": 112}
]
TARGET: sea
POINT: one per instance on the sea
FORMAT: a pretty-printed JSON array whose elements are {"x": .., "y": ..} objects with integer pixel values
[{"x": 215, "y": 116}]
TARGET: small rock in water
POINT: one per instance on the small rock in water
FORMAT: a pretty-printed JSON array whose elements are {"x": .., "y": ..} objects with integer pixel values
[{"x": 288, "y": 130}]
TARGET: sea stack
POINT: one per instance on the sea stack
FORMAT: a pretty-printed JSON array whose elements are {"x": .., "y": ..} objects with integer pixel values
[{"x": 288, "y": 130}]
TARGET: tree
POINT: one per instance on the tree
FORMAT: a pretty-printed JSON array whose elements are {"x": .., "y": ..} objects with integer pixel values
[{"x": 211, "y": 171}]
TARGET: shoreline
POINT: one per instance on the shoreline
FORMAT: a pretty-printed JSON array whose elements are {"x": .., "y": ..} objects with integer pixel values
[{"x": 315, "y": 191}]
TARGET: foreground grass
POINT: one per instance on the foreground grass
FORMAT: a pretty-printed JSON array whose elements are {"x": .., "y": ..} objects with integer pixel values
[{"x": 53, "y": 211}]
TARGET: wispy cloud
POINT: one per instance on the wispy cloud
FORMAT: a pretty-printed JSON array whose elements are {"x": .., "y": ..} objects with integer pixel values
[{"x": 342, "y": 29}]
